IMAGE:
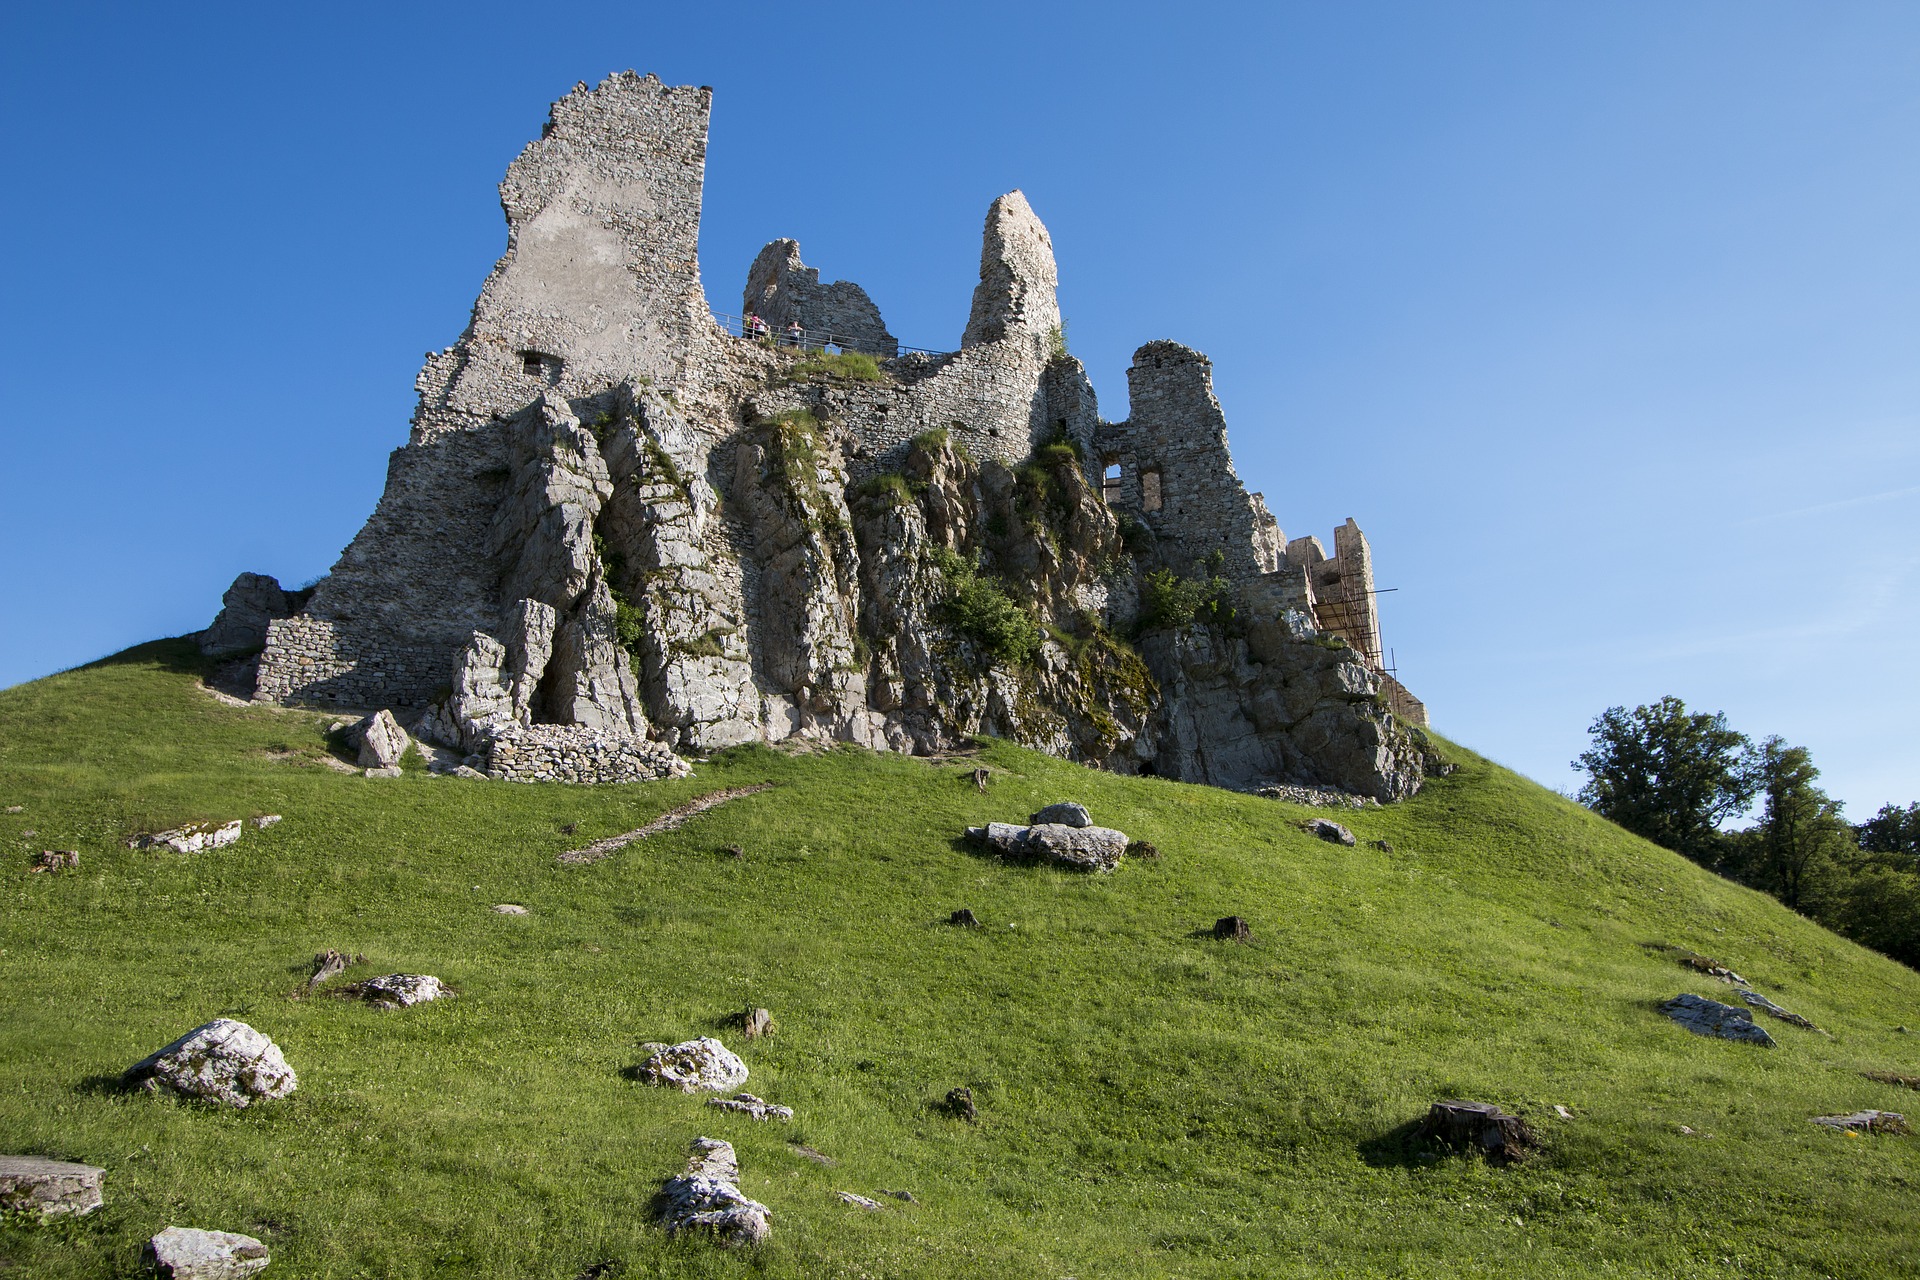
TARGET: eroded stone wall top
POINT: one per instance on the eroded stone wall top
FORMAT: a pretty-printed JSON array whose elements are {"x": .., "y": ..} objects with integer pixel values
[{"x": 1018, "y": 290}]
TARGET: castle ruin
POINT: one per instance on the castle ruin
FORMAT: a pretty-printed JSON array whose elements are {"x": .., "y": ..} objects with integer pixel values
[{"x": 618, "y": 532}]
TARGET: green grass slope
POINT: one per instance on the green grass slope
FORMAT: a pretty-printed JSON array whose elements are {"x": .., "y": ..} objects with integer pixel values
[{"x": 1153, "y": 1102}]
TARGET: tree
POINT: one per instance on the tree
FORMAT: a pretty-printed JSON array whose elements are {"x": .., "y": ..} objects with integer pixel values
[
  {"x": 1893, "y": 831},
  {"x": 1668, "y": 775},
  {"x": 1802, "y": 838}
]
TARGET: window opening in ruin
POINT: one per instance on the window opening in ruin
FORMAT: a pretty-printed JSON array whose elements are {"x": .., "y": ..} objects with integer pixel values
[
  {"x": 1149, "y": 490},
  {"x": 1110, "y": 484}
]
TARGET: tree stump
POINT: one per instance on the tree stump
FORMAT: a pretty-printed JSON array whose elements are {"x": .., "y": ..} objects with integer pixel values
[
  {"x": 979, "y": 779},
  {"x": 1479, "y": 1125},
  {"x": 756, "y": 1023},
  {"x": 327, "y": 964},
  {"x": 960, "y": 1104},
  {"x": 1232, "y": 929},
  {"x": 964, "y": 918}
]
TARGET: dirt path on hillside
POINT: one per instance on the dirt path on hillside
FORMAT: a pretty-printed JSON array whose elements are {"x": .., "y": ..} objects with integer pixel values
[{"x": 667, "y": 821}]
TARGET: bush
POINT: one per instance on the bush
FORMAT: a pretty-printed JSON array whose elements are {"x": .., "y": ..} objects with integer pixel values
[
  {"x": 979, "y": 608},
  {"x": 1169, "y": 601}
]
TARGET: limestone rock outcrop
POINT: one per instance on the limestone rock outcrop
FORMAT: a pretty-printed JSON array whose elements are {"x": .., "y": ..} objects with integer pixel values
[
  {"x": 692, "y": 1065},
  {"x": 707, "y": 1197},
  {"x": 1080, "y": 848},
  {"x": 223, "y": 1062},
  {"x": 380, "y": 740},
  {"x": 617, "y": 536},
  {"x": 1706, "y": 1017},
  {"x": 189, "y": 1253},
  {"x": 48, "y": 1188}
]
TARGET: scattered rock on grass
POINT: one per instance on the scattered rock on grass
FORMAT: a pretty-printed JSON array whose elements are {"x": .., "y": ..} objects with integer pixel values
[
  {"x": 1142, "y": 849},
  {"x": 188, "y": 1253},
  {"x": 380, "y": 739},
  {"x": 192, "y": 838},
  {"x": 54, "y": 860},
  {"x": 1232, "y": 929},
  {"x": 1866, "y": 1122},
  {"x": 264, "y": 821},
  {"x": 960, "y": 1104},
  {"x": 16, "y": 808},
  {"x": 1893, "y": 1077},
  {"x": 707, "y": 1197},
  {"x": 1706, "y": 1017},
  {"x": 398, "y": 990},
  {"x": 806, "y": 1152},
  {"x": 1081, "y": 848},
  {"x": 389, "y": 771},
  {"x": 747, "y": 1104},
  {"x": 704, "y": 1063},
  {"x": 222, "y": 1061},
  {"x": 907, "y": 1196},
  {"x": 1330, "y": 831},
  {"x": 1697, "y": 962},
  {"x": 1479, "y": 1125},
  {"x": 861, "y": 1202},
  {"x": 509, "y": 909},
  {"x": 49, "y": 1188},
  {"x": 1765, "y": 1005},
  {"x": 1067, "y": 813}
]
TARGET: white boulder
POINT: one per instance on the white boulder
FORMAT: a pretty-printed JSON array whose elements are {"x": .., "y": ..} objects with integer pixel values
[
  {"x": 223, "y": 1061},
  {"x": 693, "y": 1065}
]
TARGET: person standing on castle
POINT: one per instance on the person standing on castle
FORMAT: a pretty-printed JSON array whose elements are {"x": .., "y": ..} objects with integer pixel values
[
  {"x": 755, "y": 326},
  {"x": 795, "y": 334}
]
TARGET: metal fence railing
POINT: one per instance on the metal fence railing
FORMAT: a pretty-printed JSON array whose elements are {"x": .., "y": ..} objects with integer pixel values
[{"x": 816, "y": 340}]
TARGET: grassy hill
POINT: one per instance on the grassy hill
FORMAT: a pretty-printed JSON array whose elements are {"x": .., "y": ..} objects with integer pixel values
[{"x": 1153, "y": 1102}]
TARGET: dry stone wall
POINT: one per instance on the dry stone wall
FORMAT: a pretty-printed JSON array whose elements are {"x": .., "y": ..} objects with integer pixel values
[{"x": 616, "y": 534}]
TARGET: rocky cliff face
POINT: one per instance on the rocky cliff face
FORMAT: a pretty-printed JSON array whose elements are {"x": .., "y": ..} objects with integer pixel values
[{"x": 615, "y": 525}]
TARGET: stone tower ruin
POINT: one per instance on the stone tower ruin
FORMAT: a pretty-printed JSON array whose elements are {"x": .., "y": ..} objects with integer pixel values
[{"x": 621, "y": 528}]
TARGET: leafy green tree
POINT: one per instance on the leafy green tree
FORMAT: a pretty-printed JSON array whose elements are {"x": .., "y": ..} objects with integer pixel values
[
  {"x": 1893, "y": 831},
  {"x": 1802, "y": 839},
  {"x": 1669, "y": 775}
]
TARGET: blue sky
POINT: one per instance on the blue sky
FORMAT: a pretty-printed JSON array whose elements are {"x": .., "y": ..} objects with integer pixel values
[{"x": 1602, "y": 320}]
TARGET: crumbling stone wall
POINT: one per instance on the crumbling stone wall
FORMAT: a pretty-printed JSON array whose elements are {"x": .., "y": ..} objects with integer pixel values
[
  {"x": 616, "y": 533},
  {"x": 1176, "y": 474},
  {"x": 783, "y": 290}
]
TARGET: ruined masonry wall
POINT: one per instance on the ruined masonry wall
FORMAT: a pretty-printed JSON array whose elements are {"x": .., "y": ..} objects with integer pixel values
[
  {"x": 306, "y": 661},
  {"x": 601, "y": 280},
  {"x": 1177, "y": 433},
  {"x": 781, "y": 289}
]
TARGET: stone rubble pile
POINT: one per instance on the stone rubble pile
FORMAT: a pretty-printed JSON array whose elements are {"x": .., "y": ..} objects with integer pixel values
[
  {"x": 398, "y": 990},
  {"x": 193, "y": 838},
  {"x": 747, "y": 1104},
  {"x": 571, "y": 753},
  {"x": 707, "y": 1197}
]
